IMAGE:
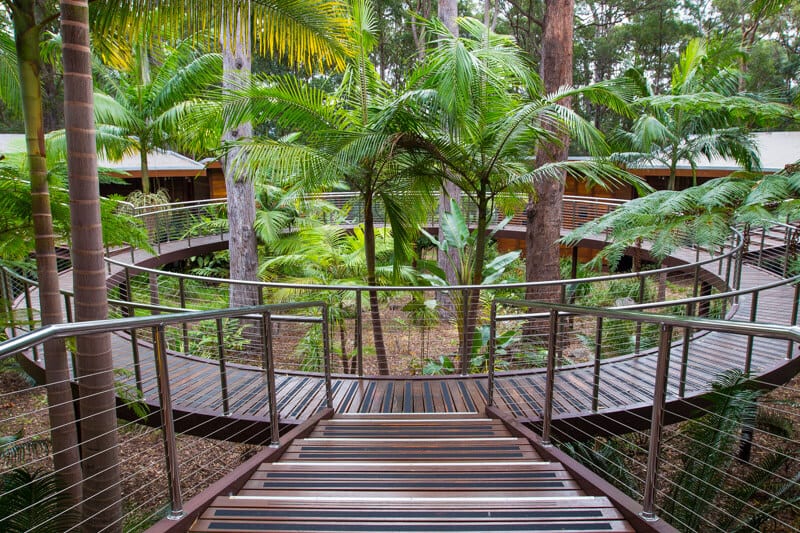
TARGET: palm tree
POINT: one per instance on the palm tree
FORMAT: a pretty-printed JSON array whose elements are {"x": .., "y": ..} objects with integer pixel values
[
  {"x": 139, "y": 107},
  {"x": 485, "y": 112},
  {"x": 351, "y": 136},
  {"x": 102, "y": 506},
  {"x": 701, "y": 116},
  {"x": 9, "y": 75},
  {"x": 27, "y": 32},
  {"x": 328, "y": 255},
  {"x": 701, "y": 215}
]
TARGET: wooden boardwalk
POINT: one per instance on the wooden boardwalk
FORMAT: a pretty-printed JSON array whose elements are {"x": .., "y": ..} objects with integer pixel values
[
  {"x": 409, "y": 473},
  {"x": 625, "y": 393}
]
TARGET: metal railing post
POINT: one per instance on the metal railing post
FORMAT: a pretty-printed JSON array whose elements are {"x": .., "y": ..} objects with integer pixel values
[
  {"x": 326, "y": 350},
  {"x": 464, "y": 364},
  {"x": 761, "y": 247},
  {"x": 168, "y": 424},
  {"x": 137, "y": 364},
  {"x": 185, "y": 326},
  {"x": 728, "y": 269},
  {"x": 4, "y": 294},
  {"x": 490, "y": 369},
  {"x": 598, "y": 347},
  {"x": 223, "y": 370},
  {"x": 638, "y": 334},
  {"x": 748, "y": 358},
  {"x": 793, "y": 319},
  {"x": 547, "y": 417},
  {"x": 656, "y": 424},
  {"x": 739, "y": 269},
  {"x": 687, "y": 335},
  {"x": 29, "y": 307},
  {"x": 9, "y": 299},
  {"x": 788, "y": 240},
  {"x": 68, "y": 307},
  {"x": 359, "y": 336},
  {"x": 269, "y": 364}
]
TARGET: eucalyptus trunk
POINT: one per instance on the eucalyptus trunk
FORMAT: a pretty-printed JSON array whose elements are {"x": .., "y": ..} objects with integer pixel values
[
  {"x": 544, "y": 209},
  {"x": 374, "y": 308},
  {"x": 63, "y": 432},
  {"x": 236, "y": 65},
  {"x": 102, "y": 506},
  {"x": 448, "y": 14}
]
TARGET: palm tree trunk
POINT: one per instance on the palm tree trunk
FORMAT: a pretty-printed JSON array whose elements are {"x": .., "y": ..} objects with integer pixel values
[
  {"x": 145, "y": 170},
  {"x": 236, "y": 64},
  {"x": 102, "y": 508},
  {"x": 472, "y": 302},
  {"x": 374, "y": 309},
  {"x": 63, "y": 432}
]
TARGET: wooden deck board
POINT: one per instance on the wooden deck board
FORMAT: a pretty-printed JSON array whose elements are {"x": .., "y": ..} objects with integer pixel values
[{"x": 624, "y": 381}]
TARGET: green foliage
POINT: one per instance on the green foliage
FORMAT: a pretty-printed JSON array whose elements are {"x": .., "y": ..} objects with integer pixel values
[
  {"x": 31, "y": 501},
  {"x": 619, "y": 338},
  {"x": 422, "y": 314},
  {"x": 700, "y": 215},
  {"x": 605, "y": 457},
  {"x": 131, "y": 396},
  {"x": 457, "y": 236},
  {"x": 310, "y": 350},
  {"x": 16, "y": 226},
  {"x": 699, "y": 117},
  {"x": 15, "y": 448},
  {"x": 204, "y": 342},
  {"x": 479, "y": 358},
  {"x": 698, "y": 484}
]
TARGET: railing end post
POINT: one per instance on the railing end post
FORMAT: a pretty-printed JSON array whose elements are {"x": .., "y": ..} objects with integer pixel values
[{"x": 175, "y": 514}]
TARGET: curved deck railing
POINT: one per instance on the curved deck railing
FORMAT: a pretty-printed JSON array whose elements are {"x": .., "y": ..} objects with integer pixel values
[{"x": 569, "y": 393}]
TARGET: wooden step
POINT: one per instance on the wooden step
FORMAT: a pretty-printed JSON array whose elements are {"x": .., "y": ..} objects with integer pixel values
[{"x": 411, "y": 474}]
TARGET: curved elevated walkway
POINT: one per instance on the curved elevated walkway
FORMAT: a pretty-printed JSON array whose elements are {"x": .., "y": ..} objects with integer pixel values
[{"x": 624, "y": 399}]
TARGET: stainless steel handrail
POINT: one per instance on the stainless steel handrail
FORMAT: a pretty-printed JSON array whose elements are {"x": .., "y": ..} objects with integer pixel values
[
  {"x": 666, "y": 325},
  {"x": 158, "y": 323},
  {"x": 60, "y": 331}
]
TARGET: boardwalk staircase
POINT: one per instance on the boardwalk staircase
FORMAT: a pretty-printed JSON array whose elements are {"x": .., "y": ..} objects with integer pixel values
[{"x": 409, "y": 473}]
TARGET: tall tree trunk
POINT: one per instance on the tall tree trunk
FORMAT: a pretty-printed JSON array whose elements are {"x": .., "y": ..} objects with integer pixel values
[
  {"x": 145, "y": 170},
  {"x": 63, "y": 432},
  {"x": 448, "y": 14},
  {"x": 237, "y": 65},
  {"x": 102, "y": 505},
  {"x": 471, "y": 304},
  {"x": 374, "y": 309},
  {"x": 543, "y": 211}
]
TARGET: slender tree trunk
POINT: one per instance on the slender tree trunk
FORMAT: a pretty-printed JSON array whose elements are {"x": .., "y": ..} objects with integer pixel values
[
  {"x": 102, "y": 506},
  {"x": 63, "y": 432},
  {"x": 374, "y": 309},
  {"x": 472, "y": 304},
  {"x": 448, "y": 14},
  {"x": 236, "y": 64},
  {"x": 145, "y": 170},
  {"x": 543, "y": 211}
]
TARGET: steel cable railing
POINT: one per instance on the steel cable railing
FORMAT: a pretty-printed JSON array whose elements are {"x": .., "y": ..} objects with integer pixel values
[
  {"x": 694, "y": 475},
  {"x": 689, "y": 277},
  {"x": 169, "y": 419}
]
